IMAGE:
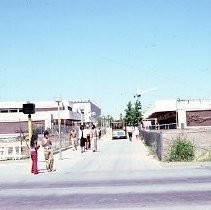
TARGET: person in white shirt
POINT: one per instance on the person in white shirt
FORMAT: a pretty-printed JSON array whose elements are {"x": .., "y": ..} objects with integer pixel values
[
  {"x": 87, "y": 132},
  {"x": 94, "y": 138},
  {"x": 136, "y": 133}
]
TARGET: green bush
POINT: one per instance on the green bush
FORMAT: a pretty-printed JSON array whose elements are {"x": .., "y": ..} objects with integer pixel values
[{"x": 181, "y": 150}]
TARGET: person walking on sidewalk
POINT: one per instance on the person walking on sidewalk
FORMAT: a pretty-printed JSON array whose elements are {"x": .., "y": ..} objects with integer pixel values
[
  {"x": 99, "y": 133},
  {"x": 74, "y": 138},
  {"x": 48, "y": 152},
  {"x": 94, "y": 138},
  {"x": 87, "y": 133},
  {"x": 33, "y": 152},
  {"x": 130, "y": 132},
  {"x": 82, "y": 138},
  {"x": 136, "y": 133}
]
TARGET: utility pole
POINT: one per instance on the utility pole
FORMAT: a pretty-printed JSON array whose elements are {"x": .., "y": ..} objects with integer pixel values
[
  {"x": 29, "y": 108},
  {"x": 30, "y": 127},
  {"x": 59, "y": 127}
]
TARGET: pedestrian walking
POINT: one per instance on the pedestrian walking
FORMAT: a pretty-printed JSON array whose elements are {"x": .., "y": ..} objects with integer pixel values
[
  {"x": 130, "y": 132},
  {"x": 48, "y": 151},
  {"x": 33, "y": 153},
  {"x": 99, "y": 133},
  {"x": 94, "y": 138},
  {"x": 87, "y": 133},
  {"x": 82, "y": 138},
  {"x": 136, "y": 133},
  {"x": 74, "y": 138}
]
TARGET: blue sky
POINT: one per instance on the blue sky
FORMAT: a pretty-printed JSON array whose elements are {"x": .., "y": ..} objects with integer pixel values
[{"x": 103, "y": 50}]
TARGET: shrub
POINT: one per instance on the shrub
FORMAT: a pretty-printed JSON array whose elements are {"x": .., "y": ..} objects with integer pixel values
[{"x": 181, "y": 150}]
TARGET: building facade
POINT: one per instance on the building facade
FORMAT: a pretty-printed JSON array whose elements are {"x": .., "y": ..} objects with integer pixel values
[
  {"x": 89, "y": 109},
  {"x": 13, "y": 121},
  {"x": 179, "y": 113}
]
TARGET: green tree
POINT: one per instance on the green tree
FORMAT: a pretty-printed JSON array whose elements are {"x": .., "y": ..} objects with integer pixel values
[
  {"x": 137, "y": 115},
  {"x": 129, "y": 114},
  {"x": 133, "y": 115}
]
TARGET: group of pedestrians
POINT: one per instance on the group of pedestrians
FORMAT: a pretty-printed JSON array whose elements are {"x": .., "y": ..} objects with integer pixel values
[
  {"x": 46, "y": 143},
  {"x": 87, "y": 137}
]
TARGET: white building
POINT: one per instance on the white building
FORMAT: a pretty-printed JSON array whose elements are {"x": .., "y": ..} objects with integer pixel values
[
  {"x": 180, "y": 113},
  {"x": 89, "y": 108},
  {"x": 13, "y": 121}
]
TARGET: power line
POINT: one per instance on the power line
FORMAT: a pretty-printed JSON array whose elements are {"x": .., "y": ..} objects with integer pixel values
[{"x": 154, "y": 73}]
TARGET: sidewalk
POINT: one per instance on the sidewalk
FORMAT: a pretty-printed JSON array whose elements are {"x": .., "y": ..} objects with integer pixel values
[{"x": 19, "y": 170}]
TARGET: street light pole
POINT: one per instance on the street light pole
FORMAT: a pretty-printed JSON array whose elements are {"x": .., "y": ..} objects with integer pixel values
[
  {"x": 30, "y": 127},
  {"x": 82, "y": 113},
  {"x": 59, "y": 125},
  {"x": 81, "y": 117}
]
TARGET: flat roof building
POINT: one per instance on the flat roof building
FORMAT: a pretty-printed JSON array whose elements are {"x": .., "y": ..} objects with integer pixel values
[
  {"x": 13, "y": 121},
  {"x": 179, "y": 113}
]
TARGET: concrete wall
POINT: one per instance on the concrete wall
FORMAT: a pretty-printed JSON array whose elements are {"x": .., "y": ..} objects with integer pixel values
[
  {"x": 154, "y": 140},
  {"x": 161, "y": 141}
]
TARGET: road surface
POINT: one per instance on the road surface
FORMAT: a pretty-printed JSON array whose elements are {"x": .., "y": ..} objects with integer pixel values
[{"x": 121, "y": 175}]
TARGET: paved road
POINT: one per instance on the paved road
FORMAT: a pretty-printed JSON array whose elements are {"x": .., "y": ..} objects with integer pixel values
[{"x": 121, "y": 175}]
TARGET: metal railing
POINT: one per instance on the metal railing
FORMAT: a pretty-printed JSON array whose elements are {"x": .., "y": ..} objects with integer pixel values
[
  {"x": 163, "y": 126},
  {"x": 13, "y": 152},
  {"x": 16, "y": 151}
]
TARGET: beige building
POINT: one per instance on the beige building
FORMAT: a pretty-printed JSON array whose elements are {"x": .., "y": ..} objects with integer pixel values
[
  {"x": 13, "y": 121},
  {"x": 172, "y": 114}
]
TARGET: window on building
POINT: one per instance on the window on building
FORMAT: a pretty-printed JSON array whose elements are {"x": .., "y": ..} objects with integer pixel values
[
  {"x": 4, "y": 110},
  {"x": 13, "y": 110}
]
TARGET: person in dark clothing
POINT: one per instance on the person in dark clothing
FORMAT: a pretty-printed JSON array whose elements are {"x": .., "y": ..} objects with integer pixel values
[
  {"x": 88, "y": 137},
  {"x": 82, "y": 138},
  {"x": 99, "y": 133},
  {"x": 130, "y": 132}
]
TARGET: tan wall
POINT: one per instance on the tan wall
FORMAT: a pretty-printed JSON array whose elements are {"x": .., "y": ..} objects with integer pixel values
[
  {"x": 161, "y": 143},
  {"x": 200, "y": 138}
]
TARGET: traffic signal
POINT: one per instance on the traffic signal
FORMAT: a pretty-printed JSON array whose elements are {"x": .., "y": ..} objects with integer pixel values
[{"x": 29, "y": 108}]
